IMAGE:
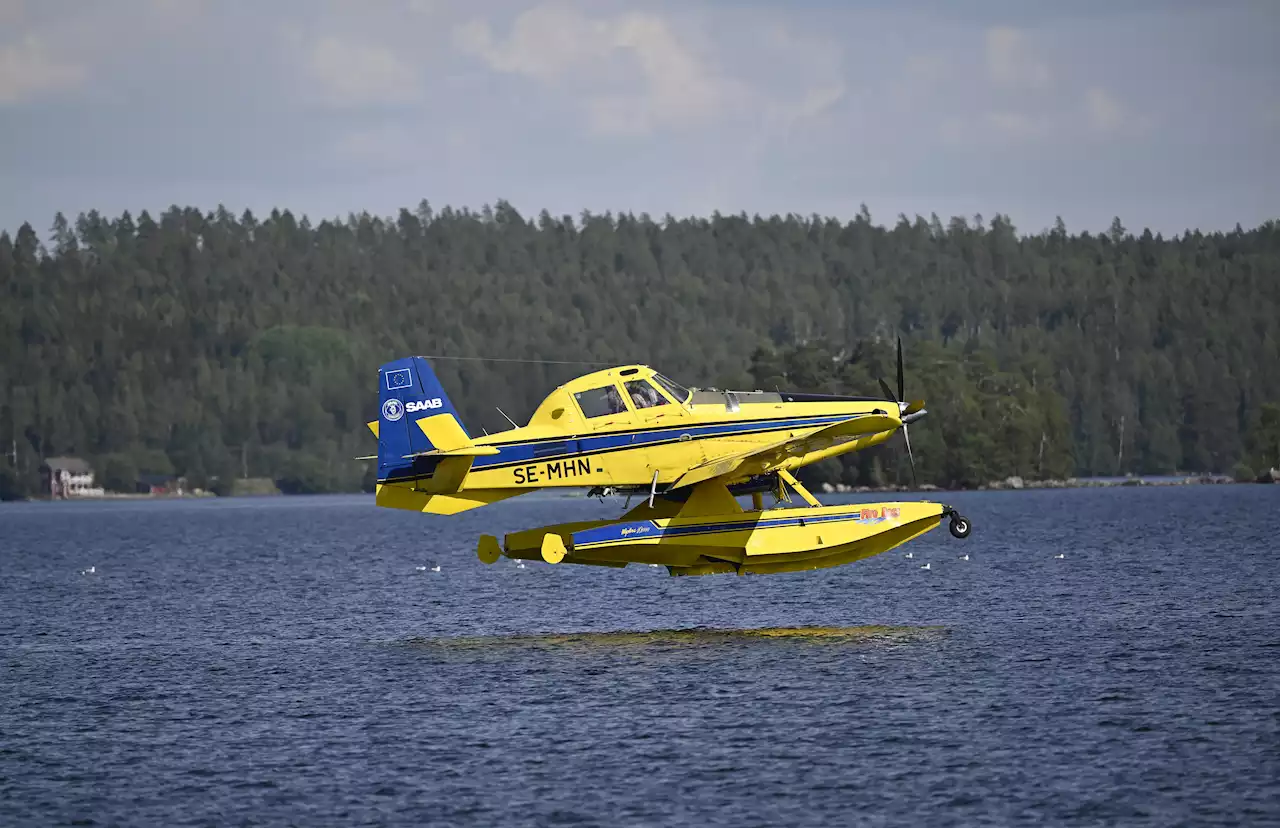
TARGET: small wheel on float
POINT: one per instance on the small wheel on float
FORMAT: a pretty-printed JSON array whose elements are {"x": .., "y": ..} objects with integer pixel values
[
  {"x": 960, "y": 526},
  {"x": 488, "y": 549}
]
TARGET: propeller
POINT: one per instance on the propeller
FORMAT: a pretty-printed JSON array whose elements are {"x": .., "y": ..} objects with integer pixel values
[
  {"x": 901, "y": 393},
  {"x": 904, "y": 410}
]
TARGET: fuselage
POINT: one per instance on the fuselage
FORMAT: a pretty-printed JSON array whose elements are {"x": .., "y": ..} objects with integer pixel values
[{"x": 622, "y": 426}]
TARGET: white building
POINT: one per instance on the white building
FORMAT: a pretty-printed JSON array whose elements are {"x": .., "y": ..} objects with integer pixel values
[{"x": 69, "y": 477}]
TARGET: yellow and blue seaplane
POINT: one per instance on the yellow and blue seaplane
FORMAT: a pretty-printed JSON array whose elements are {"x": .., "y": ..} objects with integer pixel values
[{"x": 687, "y": 453}]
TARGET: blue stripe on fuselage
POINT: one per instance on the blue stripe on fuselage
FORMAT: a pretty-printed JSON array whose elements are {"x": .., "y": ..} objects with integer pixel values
[{"x": 517, "y": 453}]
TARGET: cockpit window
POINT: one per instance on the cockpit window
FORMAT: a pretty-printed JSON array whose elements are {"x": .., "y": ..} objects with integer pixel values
[
  {"x": 678, "y": 391},
  {"x": 644, "y": 395},
  {"x": 600, "y": 402}
]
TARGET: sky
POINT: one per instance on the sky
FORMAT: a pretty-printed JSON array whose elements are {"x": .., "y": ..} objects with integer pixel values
[{"x": 1166, "y": 114}]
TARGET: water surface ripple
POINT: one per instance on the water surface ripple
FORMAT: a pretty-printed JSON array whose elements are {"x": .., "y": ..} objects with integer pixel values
[{"x": 285, "y": 661}]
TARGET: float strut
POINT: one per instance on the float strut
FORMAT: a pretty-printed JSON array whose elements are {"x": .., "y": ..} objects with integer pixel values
[
  {"x": 653, "y": 488},
  {"x": 800, "y": 490}
]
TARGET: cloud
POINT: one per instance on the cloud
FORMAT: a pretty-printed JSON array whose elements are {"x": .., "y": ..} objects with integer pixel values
[
  {"x": 1011, "y": 62},
  {"x": 1107, "y": 115},
  {"x": 655, "y": 105},
  {"x": 373, "y": 143},
  {"x": 679, "y": 89},
  {"x": 353, "y": 73},
  {"x": 545, "y": 42},
  {"x": 807, "y": 73},
  {"x": 30, "y": 69},
  {"x": 1021, "y": 99},
  {"x": 1099, "y": 115},
  {"x": 818, "y": 100},
  {"x": 59, "y": 47},
  {"x": 997, "y": 128},
  {"x": 394, "y": 146},
  {"x": 1017, "y": 126},
  {"x": 635, "y": 74}
]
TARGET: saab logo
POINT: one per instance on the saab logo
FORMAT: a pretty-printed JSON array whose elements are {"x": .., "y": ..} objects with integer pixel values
[
  {"x": 393, "y": 409},
  {"x": 434, "y": 402}
]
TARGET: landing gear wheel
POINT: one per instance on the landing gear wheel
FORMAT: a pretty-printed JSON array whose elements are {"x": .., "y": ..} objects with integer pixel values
[
  {"x": 960, "y": 526},
  {"x": 488, "y": 550}
]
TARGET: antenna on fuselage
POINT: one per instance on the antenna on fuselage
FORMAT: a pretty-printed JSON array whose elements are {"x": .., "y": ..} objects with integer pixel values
[{"x": 504, "y": 414}]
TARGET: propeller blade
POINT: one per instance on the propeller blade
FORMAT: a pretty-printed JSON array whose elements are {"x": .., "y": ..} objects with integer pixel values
[
  {"x": 888, "y": 392},
  {"x": 913, "y": 407},
  {"x": 902, "y": 394},
  {"x": 907, "y": 437}
]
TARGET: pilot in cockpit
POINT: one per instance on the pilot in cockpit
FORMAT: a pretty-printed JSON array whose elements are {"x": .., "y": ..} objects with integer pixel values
[
  {"x": 614, "y": 400},
  {"x": 643, "y": 395}
]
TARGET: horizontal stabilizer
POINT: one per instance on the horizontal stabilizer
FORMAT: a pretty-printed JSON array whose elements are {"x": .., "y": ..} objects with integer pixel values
[
  {"x": 465, "y": 451},
  {"x": 451, "y": 503}
]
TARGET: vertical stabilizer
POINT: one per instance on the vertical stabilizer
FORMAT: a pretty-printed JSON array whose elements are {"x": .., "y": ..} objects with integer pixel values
[{"x": 415, "y": 416}]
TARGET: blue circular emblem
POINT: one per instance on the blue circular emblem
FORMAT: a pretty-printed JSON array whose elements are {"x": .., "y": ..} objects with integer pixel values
[{"x": 393, "y": 409}]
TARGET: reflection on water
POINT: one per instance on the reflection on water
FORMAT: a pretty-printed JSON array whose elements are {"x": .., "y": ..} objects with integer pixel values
[{"x": 688, "y": 637}]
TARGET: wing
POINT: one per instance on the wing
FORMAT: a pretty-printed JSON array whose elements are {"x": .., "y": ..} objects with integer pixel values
[{"x": 762, "y": 459}]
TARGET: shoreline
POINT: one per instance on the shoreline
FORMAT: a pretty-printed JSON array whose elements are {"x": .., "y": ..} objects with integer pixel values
[
  {"x": 1008, "y": 484},
  {"x": 1019, "y": 483}
]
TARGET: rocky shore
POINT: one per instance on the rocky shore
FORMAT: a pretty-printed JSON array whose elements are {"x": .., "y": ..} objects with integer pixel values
[{"x": 1013, "y": 483}]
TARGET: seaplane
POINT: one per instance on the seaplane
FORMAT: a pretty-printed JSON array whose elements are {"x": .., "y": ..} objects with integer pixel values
[{"x": 688, "y": 454}]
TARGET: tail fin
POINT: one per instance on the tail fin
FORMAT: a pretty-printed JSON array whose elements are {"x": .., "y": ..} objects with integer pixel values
[{"x": 416, "y": 418}]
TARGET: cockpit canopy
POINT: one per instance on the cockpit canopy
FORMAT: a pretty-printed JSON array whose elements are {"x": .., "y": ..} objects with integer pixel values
[
  {"x": 601, "y": 394},
  {"x": 643, "y": 391}
]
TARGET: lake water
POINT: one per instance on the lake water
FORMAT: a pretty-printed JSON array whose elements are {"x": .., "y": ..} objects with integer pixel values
[{"x": 282, "y": 661}]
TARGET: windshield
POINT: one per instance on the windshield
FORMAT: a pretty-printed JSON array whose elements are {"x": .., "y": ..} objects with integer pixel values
[{"x": 675, "y": 389}]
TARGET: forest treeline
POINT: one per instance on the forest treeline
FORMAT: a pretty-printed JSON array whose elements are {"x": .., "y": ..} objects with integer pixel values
[{"x": 218, "y": 346}]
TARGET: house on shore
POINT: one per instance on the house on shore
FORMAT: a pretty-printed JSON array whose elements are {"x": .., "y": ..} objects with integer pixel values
[
  {"x": 162, "y": 484},
  {"x": 68, "y": 477}
]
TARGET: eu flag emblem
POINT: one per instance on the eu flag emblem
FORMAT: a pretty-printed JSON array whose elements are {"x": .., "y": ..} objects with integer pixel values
[{"x": 399, "y": 378}]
